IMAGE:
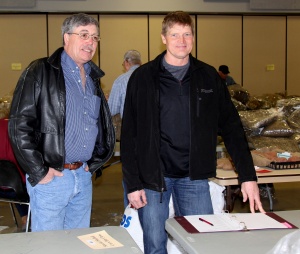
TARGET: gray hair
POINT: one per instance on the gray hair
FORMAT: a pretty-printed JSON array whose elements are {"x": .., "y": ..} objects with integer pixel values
[
  {"x": 76, "y": 20},
  {"x": 133, "y": 57}
]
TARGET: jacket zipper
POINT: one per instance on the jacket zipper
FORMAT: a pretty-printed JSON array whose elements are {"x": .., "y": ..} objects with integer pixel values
[
  {"x": 161, "y": 195},
  {"x": 198, "y": 101},
  {"x": 180, "y": 87}
]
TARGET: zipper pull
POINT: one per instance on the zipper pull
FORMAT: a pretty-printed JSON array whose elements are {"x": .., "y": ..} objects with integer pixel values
[{"x": 161, "y": 195}]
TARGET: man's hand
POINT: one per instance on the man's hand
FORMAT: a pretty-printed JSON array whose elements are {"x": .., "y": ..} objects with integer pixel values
[
  {"x": 137, "y": 199},
  {"x": 50, "y": 175},
  {"x": 250, "y": 191}
]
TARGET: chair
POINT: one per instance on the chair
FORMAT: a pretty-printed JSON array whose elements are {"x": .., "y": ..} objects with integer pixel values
[{"x": 11, "y": 178}]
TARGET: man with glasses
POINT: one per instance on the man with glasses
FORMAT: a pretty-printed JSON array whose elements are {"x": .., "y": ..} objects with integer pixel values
[
  {"x": 174, "y": 107},
  {"x": 60, "y": 128}
]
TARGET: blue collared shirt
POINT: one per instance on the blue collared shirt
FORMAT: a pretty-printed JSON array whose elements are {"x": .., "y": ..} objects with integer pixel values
[
  {"x": 229, "y": 81},
  {"x": 117, "y": 95},
  {"x": 82, "y": 112}
]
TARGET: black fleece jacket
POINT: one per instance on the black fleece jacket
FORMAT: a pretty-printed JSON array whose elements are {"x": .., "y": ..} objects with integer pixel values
[{"x": 211, "y": 110}]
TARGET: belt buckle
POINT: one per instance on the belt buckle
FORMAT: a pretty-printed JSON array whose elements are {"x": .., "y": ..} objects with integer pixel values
[
  {"x": 76, "y": 164},
  {"x": 70, "y": 165},
  {"x": 73, "y": 165}
]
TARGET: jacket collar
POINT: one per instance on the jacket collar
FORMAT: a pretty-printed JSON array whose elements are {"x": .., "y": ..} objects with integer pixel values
[{"x": 55, "y": 61}]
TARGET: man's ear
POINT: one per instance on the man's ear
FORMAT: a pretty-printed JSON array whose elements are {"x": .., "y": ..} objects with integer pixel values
[
  {"x": 163, "y": 38},
  {"x": 66, "y": 38}
]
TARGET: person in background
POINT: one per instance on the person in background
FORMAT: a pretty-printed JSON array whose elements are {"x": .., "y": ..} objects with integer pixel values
[
  {"x": 223, "y": 72},
  {"x": 174, "y": 107},
  {"x": 60, "y": 128},
  {"x": 132, "y": 60},
  {"x": 6, "y": 153}
]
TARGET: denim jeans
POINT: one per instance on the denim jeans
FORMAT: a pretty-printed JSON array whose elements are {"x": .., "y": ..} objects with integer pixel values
[
  {"x": 63, "y": 203},
  {"x": 125, "y": 193},
  {"x": 189, "y": 197}
]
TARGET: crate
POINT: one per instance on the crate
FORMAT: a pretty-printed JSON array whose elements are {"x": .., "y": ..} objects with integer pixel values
[{"x": 285, "y": 165}]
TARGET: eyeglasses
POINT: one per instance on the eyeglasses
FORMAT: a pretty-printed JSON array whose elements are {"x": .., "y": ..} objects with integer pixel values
[{"x": 86, "y": 36}]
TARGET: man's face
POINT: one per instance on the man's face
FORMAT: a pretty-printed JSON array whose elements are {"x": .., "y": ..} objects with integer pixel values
[
  {"x": 222, "y": 75},
  {"x": 179, "y": 41},
  {"x": 80, "y": 50}
]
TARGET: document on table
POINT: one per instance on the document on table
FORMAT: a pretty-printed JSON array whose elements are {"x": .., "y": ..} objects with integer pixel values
[
  {"x": 232, "y": 222},
  {"x": 100, "y": 240}
]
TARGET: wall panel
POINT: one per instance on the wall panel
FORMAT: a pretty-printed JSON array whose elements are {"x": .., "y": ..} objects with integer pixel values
[
  {"x": 24, "y": 39},
  {"x": 155, "y": 43},
  {"x": 120, "y": 33},
  {"x": 220, "y": 42},
  {"x": 54, "y": 31},
  {"x": 293, "y": 55},
  {"x": 247, "y": 44},
  {"x": 264, "y": 46}
]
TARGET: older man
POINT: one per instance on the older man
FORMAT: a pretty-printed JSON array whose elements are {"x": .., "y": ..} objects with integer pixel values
[
  {"x": 60, "y": 128},
  {"x": 131, "y": 61}
]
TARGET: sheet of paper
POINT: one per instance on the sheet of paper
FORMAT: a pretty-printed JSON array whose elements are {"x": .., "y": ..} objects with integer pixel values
[
  {"x": 100, "y": 240},
  {"x": 258, "y": 221},
  {"x": 3, "y": 227},
  {"x": 218, "y": 223},
  {"x": 233, "y": 222}
]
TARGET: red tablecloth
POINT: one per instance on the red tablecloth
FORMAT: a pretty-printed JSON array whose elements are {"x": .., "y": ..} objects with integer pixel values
[{"x": 6, "y": 152}]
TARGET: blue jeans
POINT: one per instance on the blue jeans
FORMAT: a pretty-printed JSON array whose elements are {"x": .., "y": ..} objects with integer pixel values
[
  {"x": 63, "y": 203},
  {"x": 189, "y": 197},
  {"x": 126, "y": 201}
]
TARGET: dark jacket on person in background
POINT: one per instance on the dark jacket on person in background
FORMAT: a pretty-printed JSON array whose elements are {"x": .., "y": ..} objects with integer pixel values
[
  {"x": 211, "y": 110},
  {"x": 37, "y": 120}
]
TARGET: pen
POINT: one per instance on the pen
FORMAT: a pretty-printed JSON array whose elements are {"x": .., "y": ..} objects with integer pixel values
[{"x": 206, "y": 221}]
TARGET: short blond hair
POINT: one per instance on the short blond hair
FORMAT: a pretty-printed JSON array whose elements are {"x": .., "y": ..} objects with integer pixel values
[{"x": 177, "y": 17}]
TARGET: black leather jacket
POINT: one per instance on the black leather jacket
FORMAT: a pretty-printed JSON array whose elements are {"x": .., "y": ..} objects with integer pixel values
[{"x": 37, "y": 119}]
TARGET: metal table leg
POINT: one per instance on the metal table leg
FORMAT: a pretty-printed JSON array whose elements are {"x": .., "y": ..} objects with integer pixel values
[{"x": 270, "y": 197}]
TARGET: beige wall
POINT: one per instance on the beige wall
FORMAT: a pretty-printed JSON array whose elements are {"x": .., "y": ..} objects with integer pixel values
[
  {"x": 247, "y": 44},
  {"x": 155, "y": 43},
  {"x": 123, "y": 6},
  {"x": 219, "y": 41},
  {"x": 293, "y": 55},
  {"x": 120, "y": 33},
  {"x": 264, "y": 44},
  {"x": 23, "y": 39}
]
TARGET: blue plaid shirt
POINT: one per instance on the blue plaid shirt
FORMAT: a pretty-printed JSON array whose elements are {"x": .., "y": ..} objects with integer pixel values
[{"x": 82, "y": 112}]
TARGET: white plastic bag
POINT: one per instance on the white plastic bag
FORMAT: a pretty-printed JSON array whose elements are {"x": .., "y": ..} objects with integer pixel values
[
  {"x": 289, "y": 244},
  {"x": 131, "y": 223},
  {"x": 217, "y": 197}
]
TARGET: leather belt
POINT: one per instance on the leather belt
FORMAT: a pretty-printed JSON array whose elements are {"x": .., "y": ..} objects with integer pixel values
[{"x": 74, "y": 165}]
